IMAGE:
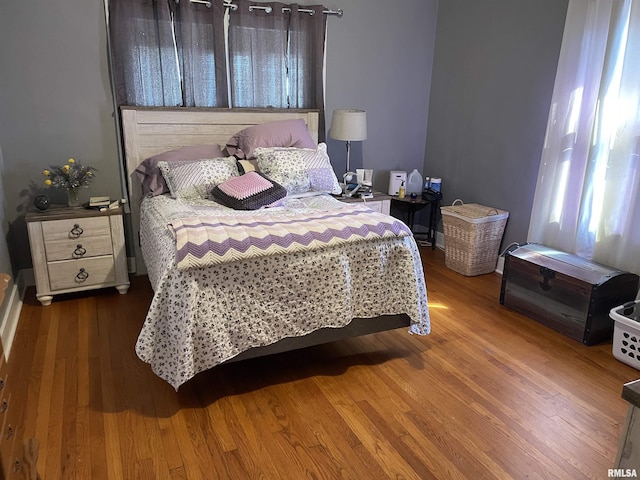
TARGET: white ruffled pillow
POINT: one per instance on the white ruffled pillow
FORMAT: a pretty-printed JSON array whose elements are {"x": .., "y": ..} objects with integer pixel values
[{"x": 299, "y": 170}]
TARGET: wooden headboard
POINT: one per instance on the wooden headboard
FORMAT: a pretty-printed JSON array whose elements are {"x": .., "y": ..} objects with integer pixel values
[{"x": 151, "y": 130}]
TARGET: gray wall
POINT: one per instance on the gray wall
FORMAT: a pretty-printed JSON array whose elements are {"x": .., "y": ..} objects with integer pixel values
[
  {"x": 56, "y": 102},
  {"x": 5, "y": 264},
  {"x": 493, "y": 74},
  {"x": 486, "y": 102},
  {"x": 379, "y": 59},
  {"x": 5, "y": 261}
]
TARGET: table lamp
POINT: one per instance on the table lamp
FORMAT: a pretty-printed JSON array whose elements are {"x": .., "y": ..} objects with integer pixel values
[{"x": 349, "y": 125}]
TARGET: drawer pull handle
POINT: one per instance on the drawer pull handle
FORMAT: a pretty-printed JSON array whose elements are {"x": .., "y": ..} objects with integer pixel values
[
  {"x": 4, "y": 406},
  {"x": 79, "y": 251},
  {"x": 10, "y": 432},
  {"x": 76, "y": 231},
  {"x": 82, "y": 275}
]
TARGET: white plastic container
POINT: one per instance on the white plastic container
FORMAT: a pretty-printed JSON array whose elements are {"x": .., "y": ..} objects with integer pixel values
[
  {"x": 414, "y": 182},
  {"x": 436, "y": 184},
  {"x": 396, "y": 178},
  {"x": 626, "y": 333}
]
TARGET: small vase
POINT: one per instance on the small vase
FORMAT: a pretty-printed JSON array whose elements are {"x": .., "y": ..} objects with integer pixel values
[
  {"x": 73, "y": 199},
  {"x": 41, "y": 202}
]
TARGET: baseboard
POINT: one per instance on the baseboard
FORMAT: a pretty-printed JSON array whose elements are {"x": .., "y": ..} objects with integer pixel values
[
  {"x": 500, "y": 266},
  {"x": 14, "y": 299}
]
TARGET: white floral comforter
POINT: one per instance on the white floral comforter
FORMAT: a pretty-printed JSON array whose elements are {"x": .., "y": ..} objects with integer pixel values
[{"x": 200, "y": 318}]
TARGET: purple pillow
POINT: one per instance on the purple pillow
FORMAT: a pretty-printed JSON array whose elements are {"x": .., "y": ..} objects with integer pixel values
[
  {"x": 149, "y": 173},
  {"x": 280, "y": 133}
]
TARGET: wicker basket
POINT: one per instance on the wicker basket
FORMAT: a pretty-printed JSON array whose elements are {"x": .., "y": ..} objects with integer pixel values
[{"x": 472, "y": 236}]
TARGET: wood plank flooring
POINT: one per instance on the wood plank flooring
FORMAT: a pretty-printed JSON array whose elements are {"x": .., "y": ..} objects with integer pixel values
[{"x": 488, "y": 394}]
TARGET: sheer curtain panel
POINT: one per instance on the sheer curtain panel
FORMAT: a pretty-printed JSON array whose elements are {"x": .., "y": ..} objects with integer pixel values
[
  {"x": 276, "y": 56},
  {"x": 587, "y": 195},
  {"x": 143, "y": 53},
  {"x": 258, "y": 55},
  {"x": 168, "y": 54},
  {"x": 201, "y": 50},
  {"x": 307, "y": 35}
]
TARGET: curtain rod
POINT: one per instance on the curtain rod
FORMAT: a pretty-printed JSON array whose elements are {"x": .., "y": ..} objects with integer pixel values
[{"x": 267, "y": 8}]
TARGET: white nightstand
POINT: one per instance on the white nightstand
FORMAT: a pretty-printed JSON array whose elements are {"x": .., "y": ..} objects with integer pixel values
[
  {"x": 380, "y": 202},
  {"x": 75, "y": 249}
]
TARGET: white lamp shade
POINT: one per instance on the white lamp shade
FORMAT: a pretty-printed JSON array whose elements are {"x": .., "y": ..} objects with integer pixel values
[{"x": 349, "y": 125}]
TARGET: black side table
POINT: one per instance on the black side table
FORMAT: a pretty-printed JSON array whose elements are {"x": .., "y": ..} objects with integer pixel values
[{"x": 411, "y": 206}]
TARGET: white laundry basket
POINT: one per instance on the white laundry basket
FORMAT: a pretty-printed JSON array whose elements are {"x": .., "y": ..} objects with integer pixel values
[{"x": 626, "y": 333}]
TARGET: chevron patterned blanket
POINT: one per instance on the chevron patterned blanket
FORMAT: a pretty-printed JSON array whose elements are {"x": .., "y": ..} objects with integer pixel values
[{"x": 207, "y": 241}]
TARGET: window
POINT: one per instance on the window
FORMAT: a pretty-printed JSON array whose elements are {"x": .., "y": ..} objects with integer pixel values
[
  {"x": 180, "y": 54},
  {"x": 586, "y": 199}
]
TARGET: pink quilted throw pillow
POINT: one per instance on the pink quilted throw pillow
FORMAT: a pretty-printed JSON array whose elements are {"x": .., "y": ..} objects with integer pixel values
[
  {"x": 250, "y": 191},
  {"x": 245, "y": 185}
]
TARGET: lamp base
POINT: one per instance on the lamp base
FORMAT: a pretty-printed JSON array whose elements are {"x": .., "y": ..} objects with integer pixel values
[{"x": 349, "y": 177}]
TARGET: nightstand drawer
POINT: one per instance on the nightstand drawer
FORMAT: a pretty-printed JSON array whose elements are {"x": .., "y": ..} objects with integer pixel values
[
  {"x": 76, "y": 249},
  {"x": 380, "y": 202},
  {"x": 81, "y": 273},
  {"x": 75, "y": 228},
  {"x": 68, "y": 249}
]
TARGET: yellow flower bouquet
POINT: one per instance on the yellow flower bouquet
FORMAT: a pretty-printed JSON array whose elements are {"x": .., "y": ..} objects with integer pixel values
[{"x": 71, "y": 176}]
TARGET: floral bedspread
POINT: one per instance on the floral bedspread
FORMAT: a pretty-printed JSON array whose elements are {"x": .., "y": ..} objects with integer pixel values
[{"x": 199, "y": 318}]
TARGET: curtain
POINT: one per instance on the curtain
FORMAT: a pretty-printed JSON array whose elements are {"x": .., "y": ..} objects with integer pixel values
[
  {"x": 168, "y": 54},
  {"x": 307, "y": 34},
  {"x": 201, "y": 49},
  {"x": 143, "y": 53},
  {"x": 258, "y": 54},
  {"x": 276, "y": 57},
  {"x": 587, "y": 194}
]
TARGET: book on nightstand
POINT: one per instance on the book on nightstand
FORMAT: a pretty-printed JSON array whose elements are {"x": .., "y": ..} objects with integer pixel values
[
  {"x": 102, "y": 204},
  {"x": 96, "y": 202}
]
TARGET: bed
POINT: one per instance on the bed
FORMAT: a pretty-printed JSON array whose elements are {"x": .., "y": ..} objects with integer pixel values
[{"x": 227, "y": 306}]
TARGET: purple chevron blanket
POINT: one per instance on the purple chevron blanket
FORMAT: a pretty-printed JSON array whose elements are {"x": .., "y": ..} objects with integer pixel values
[{"x": 206, "y": 241}]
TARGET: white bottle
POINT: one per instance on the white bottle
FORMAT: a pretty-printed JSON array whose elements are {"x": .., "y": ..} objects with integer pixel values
[{"x": 414, "y": 182}]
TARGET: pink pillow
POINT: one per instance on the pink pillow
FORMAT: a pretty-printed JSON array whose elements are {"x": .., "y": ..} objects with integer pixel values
[
  {"x": 153, "y": 183},
  {"x": 250, "y": 191},
  {"x": 280, "y": 133},
  {"x": 245, "y": 185}
]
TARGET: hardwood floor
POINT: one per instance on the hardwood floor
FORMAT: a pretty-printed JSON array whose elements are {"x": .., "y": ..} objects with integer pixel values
[{"x": 488, "y": 394}]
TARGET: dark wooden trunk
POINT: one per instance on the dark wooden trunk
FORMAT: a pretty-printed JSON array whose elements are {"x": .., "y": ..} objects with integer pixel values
[{"x": 565, "y": 292}]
